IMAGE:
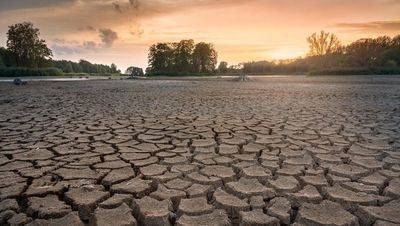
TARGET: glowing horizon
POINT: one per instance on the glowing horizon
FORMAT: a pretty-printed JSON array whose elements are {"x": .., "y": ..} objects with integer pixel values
[{"x": 240, "y": 30}]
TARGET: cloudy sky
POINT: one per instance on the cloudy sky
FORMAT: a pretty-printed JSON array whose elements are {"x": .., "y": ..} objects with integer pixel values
[{"x": 120, "y": 31}]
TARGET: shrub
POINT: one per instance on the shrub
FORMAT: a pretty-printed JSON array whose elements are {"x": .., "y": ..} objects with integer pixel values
[
  {"x": 1, "y": 62},
  {"x": 391, "y": 64},
  {"x": 76, "y": 74},
  {"x": 106, "y": 74},
  {"x": 24, "y": 72},
  {"x": 357, "y": 71},
  {"x": 179, "y": 74}
]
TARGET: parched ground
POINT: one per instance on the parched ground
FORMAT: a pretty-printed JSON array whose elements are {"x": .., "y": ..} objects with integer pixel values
[{"x": 272, "y": 151}]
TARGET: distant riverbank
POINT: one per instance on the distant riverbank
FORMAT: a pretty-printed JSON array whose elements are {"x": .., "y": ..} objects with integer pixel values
[{"x": 62, "y": 78}]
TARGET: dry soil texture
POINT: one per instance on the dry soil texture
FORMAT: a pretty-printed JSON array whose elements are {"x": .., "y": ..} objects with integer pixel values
[{"x": 272, "y": 151}]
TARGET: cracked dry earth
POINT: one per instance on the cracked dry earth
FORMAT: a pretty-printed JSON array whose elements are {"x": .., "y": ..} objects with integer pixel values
[{"x": 272, "y": 151}]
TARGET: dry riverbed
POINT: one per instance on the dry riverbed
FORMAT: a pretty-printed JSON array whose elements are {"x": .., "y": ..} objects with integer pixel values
[{"x": 278, "y": 150}]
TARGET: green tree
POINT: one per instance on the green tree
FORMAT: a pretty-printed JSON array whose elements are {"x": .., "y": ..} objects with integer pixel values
[
  {"x": 69, "y": 68},
  {"x": 87, "y": 67},
  {"x": 183, "y": 55},
  {"x": 76, "y": 67},
  {"x": 24, "y": 42},
  {"x": 84, "y": 66},
  {"x": 161, "y": 58},
  {"x": 8, "y": 57},
  {"x": 223, "y": 67},
  {"x": 134, "y": 71},
  {"x": 204, "y": 57},
  {"x": 114, "y": 68},
  {"x": 1, "y": 62}
]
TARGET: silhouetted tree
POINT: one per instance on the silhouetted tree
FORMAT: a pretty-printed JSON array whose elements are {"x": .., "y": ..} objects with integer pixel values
[
  {"x": 181, "y": 57},
  {"x": 76, "y": 67},
  {"x": 8, "y": 57},
  {"x": 379, "y": 55},
  {"x": 134, "y": 71},
  {"x": 84, "y": 66},
  {"x": 113, "y": 68},
  {"x": 323, "y": 43},
  {"x": 161, "y": 57},
  {"x": 87, "y": 66},
  {"x": 24, "y": 42},
  {"x": 64, "y": 65},
  {"x": 322, "y": 46},
  {"x": 258, "y": 67},
  {"x": 223, "y": 67},
  {"x": 204, "y": 57},
  {"x": 68, "y": 68},
  {"x": 182, "y": 52},
  {"x": 368, "y": 52},
  {"x": 393, "y": 53}
]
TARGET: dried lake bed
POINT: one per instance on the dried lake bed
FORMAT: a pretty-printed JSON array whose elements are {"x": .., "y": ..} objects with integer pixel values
[{"x": 272, "y": 151}]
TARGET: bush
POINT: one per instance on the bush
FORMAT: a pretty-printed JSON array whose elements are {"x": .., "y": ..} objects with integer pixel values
[
  {"x": 76, "y": 74},
  {"x": 91, "y": 74},
  {"x": 179, "y": 74},
  {"x": 105, "y": 74},
  {"x": 386, "y": 71},
  {"x": 1, "y": 62},
  {"x": 391, "y": 64},
  {"x": 24, "y": 72},
  {"x": 357, "y": 71}
]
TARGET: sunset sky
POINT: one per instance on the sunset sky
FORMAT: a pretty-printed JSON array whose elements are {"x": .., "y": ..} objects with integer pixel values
[{"x": 120, "y": 31}]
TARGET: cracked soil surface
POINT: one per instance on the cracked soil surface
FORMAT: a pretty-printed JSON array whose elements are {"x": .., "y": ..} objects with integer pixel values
[{"x": 272, "y": 151}]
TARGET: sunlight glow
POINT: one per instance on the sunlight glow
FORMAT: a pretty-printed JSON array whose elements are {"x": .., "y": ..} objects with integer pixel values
[{"x": 286, "y": 53}]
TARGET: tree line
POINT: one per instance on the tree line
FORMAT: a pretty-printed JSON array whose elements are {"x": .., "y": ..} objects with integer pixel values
[
  {"x": 84, "y": 66},
  {"x": 181, "y": 57},
  {"x": 327, "y": 55},
  {"x": 26, "y": 51}
]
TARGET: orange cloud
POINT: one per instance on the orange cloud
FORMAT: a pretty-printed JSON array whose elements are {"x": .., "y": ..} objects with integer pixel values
[{"x": 373, "y": 26}]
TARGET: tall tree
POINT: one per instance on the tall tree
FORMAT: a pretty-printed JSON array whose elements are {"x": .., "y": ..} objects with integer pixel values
[
  {"x": 161, "y": 57},
  {"x": 204, "y": 57},
  {"x": 323, "y": 43},
  {"x": 24, "y": 42},
  {"x": 182, "y": 52}
]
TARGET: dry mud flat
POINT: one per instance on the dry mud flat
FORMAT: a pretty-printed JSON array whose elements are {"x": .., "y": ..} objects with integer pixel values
[{"x": 273, "y": 151}]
